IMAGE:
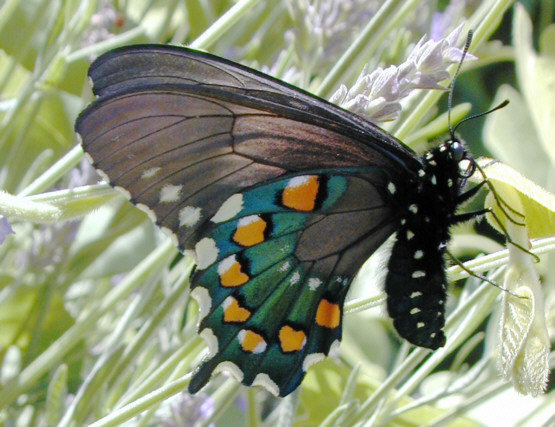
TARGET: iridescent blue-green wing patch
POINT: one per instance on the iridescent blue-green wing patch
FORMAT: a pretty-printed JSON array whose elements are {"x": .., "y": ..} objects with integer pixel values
[{"x": 273, "y": 273}]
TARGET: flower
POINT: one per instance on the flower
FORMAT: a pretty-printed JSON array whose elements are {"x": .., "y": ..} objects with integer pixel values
[
  {"x": 5, "y": 229},
  {"x": 189, "y": 411},
  {"x": 377, "y": 95},
  {"x": 324, "y": 29}
]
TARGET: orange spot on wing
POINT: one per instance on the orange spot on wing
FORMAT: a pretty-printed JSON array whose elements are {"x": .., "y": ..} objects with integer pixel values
[
  {"x": 328, "y": 315},
  {"x": 300, "y": 193},
  {"x": 291, "y": 340},
  {"x": 235, "y": 313},
  {"x": 251, "y": 342},
  {"x": 250, "y": 231},
  {"x": 233, "y": 276}
]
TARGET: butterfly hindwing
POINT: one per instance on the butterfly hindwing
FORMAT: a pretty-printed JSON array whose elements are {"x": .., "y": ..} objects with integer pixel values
[{"x": 270, "y": 284}]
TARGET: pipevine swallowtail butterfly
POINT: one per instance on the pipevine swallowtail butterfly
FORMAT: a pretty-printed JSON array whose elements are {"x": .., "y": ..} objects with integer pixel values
[{"x": 280, "y": 196}]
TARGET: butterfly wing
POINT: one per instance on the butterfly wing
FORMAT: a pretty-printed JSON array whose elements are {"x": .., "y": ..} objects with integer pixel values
[
  {"x": 140, "y": 66},
  {"x": 214, "y": 151},
  {"x": 191, "y": 134}
]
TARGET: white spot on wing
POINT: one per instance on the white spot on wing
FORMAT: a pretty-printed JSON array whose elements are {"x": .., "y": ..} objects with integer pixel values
[
  {"x": 206, "y": 252},
  {"x": 150, "y": 213},
  {"x": 410, "y": 234},
  {"x": 227, "y": 302},
  {"x": 295, "y": 278},
  {"x": 149, "y": 173},
  {"x": 229, "y": 208},
  {"x": 314, "y": 283},
  {"x": 226, "y": 264},
  {"x": 298, "y": 181},
  {"x": 420, "y": 325},
  {"x": 418, "y": 254},
  {"x": 391, "y": 188},
  {"x": 344, "y": 281},
  {"x": 260, "y": 347},
  {"x": 285, "y": 266},
  {"x": 416, "y": 294},
  {"x": 231, "y": 368},
  {"x": 267, "y": 383},
  {"x": 243, "y": 222},
  {"x": 311, "y": 359},
  {"x": 211, "y": 341},
  {"x": 413, "y": 208},
  {"x": 170, "y": 193},
  {"x": 202, "y": 297},
  {"x": 189, "y": 216},
  {"x": 415, "y": 310},
  {"x": 118, "y": 188},
  {"x": 334, "y": 349},
  {"x": 418, "y": 274}
]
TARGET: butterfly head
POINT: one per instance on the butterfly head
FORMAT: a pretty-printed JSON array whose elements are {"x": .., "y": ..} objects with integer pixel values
[{"x": 460, "y": 155}]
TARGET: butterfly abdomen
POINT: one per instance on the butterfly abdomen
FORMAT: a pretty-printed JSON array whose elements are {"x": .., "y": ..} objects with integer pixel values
[{"x": 416, "y": 283}]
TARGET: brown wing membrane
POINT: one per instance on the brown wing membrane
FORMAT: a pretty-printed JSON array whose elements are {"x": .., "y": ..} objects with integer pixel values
[
  {"x": 138, "y": 66},
  {"x": 172, "y": 149}
]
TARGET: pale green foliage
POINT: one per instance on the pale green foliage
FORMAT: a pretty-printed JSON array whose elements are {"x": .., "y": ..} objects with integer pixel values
[{"x": 95, "y": 320}]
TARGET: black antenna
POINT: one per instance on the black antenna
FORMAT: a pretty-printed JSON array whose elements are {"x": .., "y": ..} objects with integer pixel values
[
  {"x": 475, "y": 116},
  {"x": 452, "y": 88}
]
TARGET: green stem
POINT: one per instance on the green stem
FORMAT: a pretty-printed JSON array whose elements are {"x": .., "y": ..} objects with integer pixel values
[
  {"x": 52, "y": 355},
  {"x": 225, "y": 22}
]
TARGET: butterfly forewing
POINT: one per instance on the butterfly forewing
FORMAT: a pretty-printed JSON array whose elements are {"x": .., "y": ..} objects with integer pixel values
[
  {"x": 131, "y": 67},
  {"x": 177, "y": 152}
]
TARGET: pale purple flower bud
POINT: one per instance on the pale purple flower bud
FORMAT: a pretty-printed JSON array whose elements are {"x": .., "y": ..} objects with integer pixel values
[
  {"x": 377, "y": 95},
  {"x": 5, "y": 229}
]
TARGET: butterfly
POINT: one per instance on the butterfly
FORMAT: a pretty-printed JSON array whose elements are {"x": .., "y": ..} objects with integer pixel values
[{"x": 280, "y": 197}]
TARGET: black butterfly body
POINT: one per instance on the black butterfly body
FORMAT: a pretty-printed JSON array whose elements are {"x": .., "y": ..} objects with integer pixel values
[{"x": 280, "y": 196}]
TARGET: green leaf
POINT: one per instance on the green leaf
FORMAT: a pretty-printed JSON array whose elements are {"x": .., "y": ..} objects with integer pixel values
[
  {"x": 510, "y": 135},
  {"x": 536, "y": 204},
  {"x": 536, "y": 77},
  {"x": 56, "y": 395}
]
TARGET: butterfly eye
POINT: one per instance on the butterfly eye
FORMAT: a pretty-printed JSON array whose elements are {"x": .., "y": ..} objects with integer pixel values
[{"x": 457, "y": 150}]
